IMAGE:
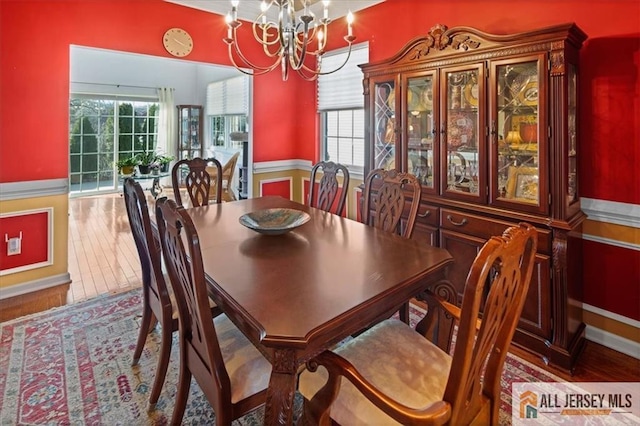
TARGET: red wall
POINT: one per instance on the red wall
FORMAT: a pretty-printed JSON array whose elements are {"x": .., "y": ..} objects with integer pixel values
[{"x": 34, "y": 78}]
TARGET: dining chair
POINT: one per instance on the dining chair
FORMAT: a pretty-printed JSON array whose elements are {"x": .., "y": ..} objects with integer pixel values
[
  {"x": 157, "y": 299},
  {"x": 192, "y": 175},
  {"x": 392, "y": 374},
  {"x": 324, "y": 195},
  {"x": 231, "y": 372},
  {"x": 385, "y": 198},
  {"x": 228, "y": 171},
  {"x": 384, "y": 205}
]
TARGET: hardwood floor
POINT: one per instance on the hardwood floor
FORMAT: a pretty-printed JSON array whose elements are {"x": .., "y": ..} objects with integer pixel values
[
  {"x": 103, "y": 259},
  {"x": 102, "y": 253}
]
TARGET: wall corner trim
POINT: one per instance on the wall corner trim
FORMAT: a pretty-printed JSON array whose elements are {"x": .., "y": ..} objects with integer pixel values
[
  {"x": 612, "y": 212},
  {"x": 281, "y": 165},
  {"x": 33, "y": 189},
  {"x": 35, "y": 285}
]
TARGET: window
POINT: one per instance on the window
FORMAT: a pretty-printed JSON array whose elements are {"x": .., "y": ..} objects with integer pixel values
[
  {"x": 227, "y": 110},
  {"x": 223, "y": 125},
  {"x": 96, "y": 123},
  {"x": 341, "y": 108},
  {"x": 343, "y": 137}
]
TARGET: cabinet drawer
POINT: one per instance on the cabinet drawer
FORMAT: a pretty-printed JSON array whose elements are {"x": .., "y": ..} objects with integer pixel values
[
  {"x": 473, "y": 225},
  {"x": 486, "y": 228},
  {"x": 427, "y": 215}
]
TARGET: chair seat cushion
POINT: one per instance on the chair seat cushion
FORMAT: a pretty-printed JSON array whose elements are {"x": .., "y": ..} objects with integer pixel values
[
  {"x": 397, "y": 360},
  {"x": 249, "y": 371},
  {"x": 174, "y": 304}
]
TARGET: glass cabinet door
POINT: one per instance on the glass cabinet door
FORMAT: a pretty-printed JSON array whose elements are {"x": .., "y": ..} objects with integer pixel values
[
  {"x": 419, "y": 128},
  {"x": 463, "y": 150},
  {"x": 516, "y": 126},
  {"x": 384, "y": 123},
  {"x": 189, "y": 131}
]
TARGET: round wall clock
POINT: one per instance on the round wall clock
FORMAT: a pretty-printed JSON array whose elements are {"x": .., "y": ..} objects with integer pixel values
[{"x": 178, "y": 42}]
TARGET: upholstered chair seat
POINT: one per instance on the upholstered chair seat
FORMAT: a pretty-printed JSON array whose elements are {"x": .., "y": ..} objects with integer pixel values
[
  {"x": 415, "y": 373},
  {"x": 248, "y": 369}
]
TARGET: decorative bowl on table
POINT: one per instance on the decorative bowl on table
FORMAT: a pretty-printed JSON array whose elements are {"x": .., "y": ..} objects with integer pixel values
[{"x": 274, "y": 221}]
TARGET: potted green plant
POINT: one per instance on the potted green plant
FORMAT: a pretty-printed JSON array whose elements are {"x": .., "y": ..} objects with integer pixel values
[
  {"x": 164, "y": 161},
  {"x": 126, "y": 165},
  {"x": 145, "y": 160}
]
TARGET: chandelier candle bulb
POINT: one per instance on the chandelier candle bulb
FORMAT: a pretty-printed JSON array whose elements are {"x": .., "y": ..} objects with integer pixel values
[{"x": 234, "y": 9}]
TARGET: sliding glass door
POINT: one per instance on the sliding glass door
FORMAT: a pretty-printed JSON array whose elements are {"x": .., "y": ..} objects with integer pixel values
[{"x": 102, "y": 131}]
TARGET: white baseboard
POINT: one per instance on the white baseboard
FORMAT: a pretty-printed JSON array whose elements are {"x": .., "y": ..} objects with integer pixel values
[
  {"x": 608, "y": 339},
  {"x": 36, "y": 285},
  {"x": 613, "y": 341}
]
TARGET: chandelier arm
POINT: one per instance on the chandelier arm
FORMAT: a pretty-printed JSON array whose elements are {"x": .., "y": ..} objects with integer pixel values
[
  {"x": 266, "y": 45},
  {"x": 323, "y": 43},
  {"x": 312, "y": 77},
  {"x": 284, "y": 67},
  {"x": 264, "y": 40},
  {"x": 247, "y": 62},
  {"x": 282, "y": 30},
  {"x": 332, "y": 71},
  {"x": 254, "y": 71},
  {"x": 299, "y": 46}
]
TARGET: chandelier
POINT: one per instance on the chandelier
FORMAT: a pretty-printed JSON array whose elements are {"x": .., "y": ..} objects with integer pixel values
[{"x": 292, "y": 42}]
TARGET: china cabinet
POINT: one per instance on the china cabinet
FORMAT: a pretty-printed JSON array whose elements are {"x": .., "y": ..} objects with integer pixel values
[
  {"x": 488, "y": 124},
  {"x": 189, "y": 131}
]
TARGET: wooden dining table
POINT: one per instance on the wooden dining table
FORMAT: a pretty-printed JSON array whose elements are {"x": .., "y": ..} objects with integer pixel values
[{"x": 297, "y": 294}]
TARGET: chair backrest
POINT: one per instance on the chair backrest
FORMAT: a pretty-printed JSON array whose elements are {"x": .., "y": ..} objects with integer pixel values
[
  {"x": 496, "y": 289},
  {"x": 227, "y": 175},
  {"x": 186, "y": 273},
  {"x": 385, "y": 195},
  {"x": 192, "y": 174},
  {"x": 147, "y": 244},
  {"x": 324, "y": 196},
  {"x": 229, "y": 168}
]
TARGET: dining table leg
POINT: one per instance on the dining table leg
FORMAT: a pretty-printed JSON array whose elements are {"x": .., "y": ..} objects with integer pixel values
[{"x": 281, "y": 390}]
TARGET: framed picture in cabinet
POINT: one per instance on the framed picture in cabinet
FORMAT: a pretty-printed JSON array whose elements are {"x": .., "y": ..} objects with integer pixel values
[{"x": 523, "y": 183}]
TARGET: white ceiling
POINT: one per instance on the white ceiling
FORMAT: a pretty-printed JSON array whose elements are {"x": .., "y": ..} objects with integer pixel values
[{"x": 250, "y": 9}]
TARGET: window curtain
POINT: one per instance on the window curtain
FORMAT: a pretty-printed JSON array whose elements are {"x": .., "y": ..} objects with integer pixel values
[
  {"x": 228, "y": 97},
  {"x": 343, "y": 88},
  {"x": 166, "y": 122}
]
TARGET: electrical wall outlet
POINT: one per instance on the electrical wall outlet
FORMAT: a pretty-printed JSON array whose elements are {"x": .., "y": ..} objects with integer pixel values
[{"x": 14, "y": 246}]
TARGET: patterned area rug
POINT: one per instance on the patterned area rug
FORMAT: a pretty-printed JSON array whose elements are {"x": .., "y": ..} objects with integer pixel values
[{"x": 72, "y": 366}]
